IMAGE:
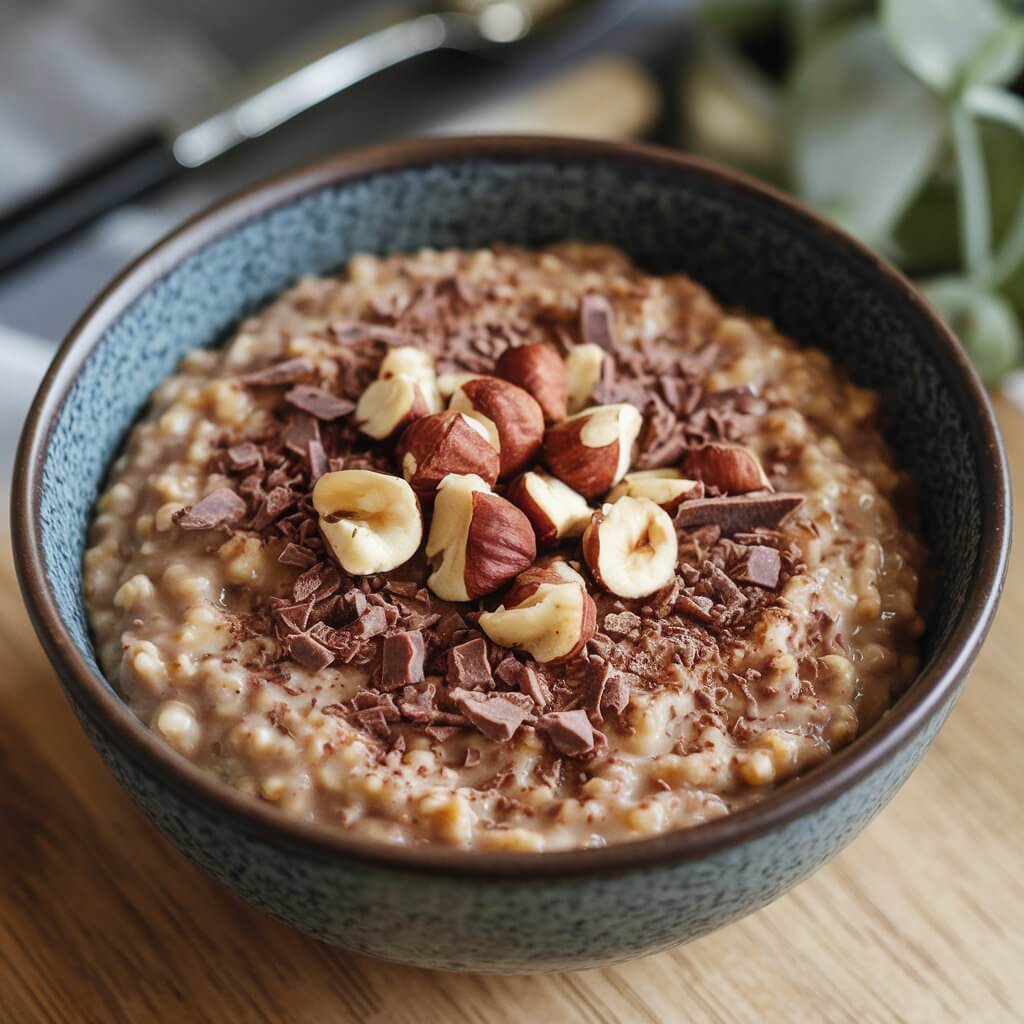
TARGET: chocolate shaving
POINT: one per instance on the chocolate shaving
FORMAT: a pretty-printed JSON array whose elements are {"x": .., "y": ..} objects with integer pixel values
[
  {"x": 680, "y": 395},
  {"x": 740, "y": 513},
  {"x": 302, "y": 430},
  {"x": 597, "y": 675},
  {"x": 219, "y": 508},
  {"x": 597, "y": 323},
  {"x": 723, "y": 587},
  {"x": 287, "y": 372},
  {"x": 621, "y": 624},
  {"x": 698, "y": 608},
  {"x": 401, "y": 660},
  {"x": 351, "y": 332},
  {"x": 244, "y": 456},
  {"x": 318, "y": 402},
  {"x": 317, "y": 459},
  {"x": 274, "y": 505}
]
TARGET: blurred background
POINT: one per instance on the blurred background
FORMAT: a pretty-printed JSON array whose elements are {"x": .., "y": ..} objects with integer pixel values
[{"x": 900, "y": 119}]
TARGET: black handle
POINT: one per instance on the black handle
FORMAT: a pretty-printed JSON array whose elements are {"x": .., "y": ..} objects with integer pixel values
[{"x": 116, "y": 177}]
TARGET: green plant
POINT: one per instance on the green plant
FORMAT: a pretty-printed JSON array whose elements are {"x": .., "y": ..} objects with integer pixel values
[{"x": 900, "y": 122}]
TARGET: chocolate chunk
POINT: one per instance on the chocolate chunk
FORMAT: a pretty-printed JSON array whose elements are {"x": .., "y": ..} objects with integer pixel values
[
  {"x": 663, "y": 453},
  {"x": 355, "y": 601},
  {"x": 366, "y": 699},
  {"x": 286, "y": 372},
  {"x": 293, "y": 618},
  {"x": 596, "y": 678},
  {"x": 371, "y": 623},
  {"x": 402, "y": 588},
  {"x": 604, "y": 689},
  {"x": 468, "y": 666},
  {"x": 507, "y": 672},
  {"x": 497, "y": 716},
  {"x": 681, "y": 396},
  {"x": 597, "y": 324},
  {"x": 418, "y": 705},
  {"x": 295, "y": 554},
  {"x": 317, "y": 458},
  {"x": 723, "y": 587},
  {"x": 515, "y": 674},
  {"x": 616, "y": 695},
  {"x": 309, "y": 652},
  {"x": 621, "y": 624},
  {"x": 374, "y": 721},
  {"x": 570, "y": 732},
  {"x": 244, "y": 456},
  {"x": 761, "y": 566},
  {"x": 251, "y": 488},
  {"x": 301, "y": 431},
  {"x": 281, "y": 477},
  {"x": 441, "y": 733},
  {"x": 322, "y": 580},
  {"x": 698, "y": 608},
  {"x": 350, "y": 332},
  {"x": 740, "y": 513},
  {"x": 402, "y": 660},
  {"x": 274, "y": 505},
  {"x": 604, "y": 391},
  {"x": 326, "y": 609},
  {"x": 219, "y": 508},
  {"x": 318, "y": 402},
  {"x": 449, "y": 624}
]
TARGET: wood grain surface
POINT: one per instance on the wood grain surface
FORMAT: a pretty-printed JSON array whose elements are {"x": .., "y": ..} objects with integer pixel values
[{"x": 920, "y": 919}]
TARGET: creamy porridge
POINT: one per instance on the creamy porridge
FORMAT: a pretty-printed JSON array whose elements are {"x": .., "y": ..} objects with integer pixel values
[{"x": 506, "y": 550}]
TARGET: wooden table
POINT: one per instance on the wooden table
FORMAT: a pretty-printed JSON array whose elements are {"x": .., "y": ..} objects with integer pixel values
[{"x": 921, "y": 919}]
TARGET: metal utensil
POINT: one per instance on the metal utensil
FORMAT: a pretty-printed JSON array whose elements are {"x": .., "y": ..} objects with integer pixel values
[{"x": 156, "y": 156}]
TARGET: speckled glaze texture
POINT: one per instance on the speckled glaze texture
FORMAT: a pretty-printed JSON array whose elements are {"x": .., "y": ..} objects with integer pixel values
[
  {"x": 751, "y": 252},
  {"x": 512, "y": 926}
]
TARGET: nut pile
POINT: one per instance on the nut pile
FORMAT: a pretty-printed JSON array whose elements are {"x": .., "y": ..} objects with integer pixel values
[{"x": 510, "y": 527}]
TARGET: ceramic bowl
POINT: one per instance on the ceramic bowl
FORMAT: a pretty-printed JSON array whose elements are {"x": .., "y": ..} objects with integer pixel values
[{"x": 754, "y": 249}]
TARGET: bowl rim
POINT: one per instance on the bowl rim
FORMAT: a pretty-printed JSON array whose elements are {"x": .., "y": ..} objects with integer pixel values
[{"x": 935, "y": 685}]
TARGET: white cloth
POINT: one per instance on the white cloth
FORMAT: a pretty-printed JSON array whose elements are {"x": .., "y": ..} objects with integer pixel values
[{"x": 23, "y": 361}]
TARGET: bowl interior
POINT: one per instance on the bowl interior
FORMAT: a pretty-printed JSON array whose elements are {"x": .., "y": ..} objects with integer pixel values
[{"x": 750, "y": 250}]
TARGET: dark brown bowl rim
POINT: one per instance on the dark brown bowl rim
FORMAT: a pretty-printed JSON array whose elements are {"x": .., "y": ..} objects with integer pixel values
[{"x": 936, "y": 685}]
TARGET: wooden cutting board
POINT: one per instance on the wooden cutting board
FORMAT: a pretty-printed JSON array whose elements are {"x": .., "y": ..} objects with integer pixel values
[{"x": 920, "y": 919}]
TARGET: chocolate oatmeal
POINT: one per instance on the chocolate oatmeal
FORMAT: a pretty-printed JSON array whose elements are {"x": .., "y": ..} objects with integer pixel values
[{"x": 506, "y": 550}]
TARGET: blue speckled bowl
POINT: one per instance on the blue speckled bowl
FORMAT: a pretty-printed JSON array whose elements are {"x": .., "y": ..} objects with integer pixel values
[{"x": 752, "y": 248}]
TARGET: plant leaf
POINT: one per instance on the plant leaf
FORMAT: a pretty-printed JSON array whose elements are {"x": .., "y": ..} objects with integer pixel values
[
  {"x": 1007, "y": 108},
  {"x": 864, "y": 133},
  {"x": 928, "y": 235},
  {"x": 938, "y": 39},
  {"x": 973, "y": 206},
  {"x": 811, "y": 20},
  {"x": 1000, "y": 60},
  {"x": 984, "y": 321}
]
